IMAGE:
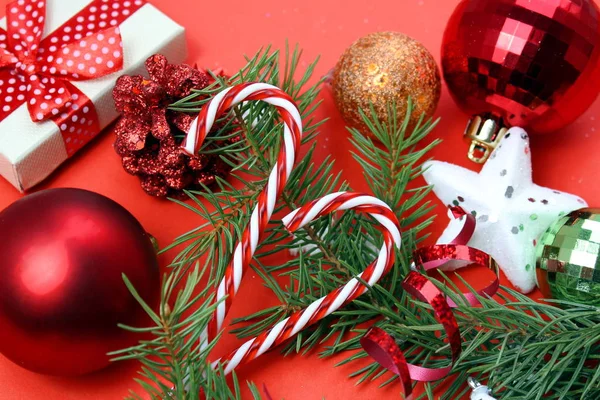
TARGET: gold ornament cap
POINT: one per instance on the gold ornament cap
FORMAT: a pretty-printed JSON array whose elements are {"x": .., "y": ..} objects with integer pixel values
[{"x": 484, "y": 132}]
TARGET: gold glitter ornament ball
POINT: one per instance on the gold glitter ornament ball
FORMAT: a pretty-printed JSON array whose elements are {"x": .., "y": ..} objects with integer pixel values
[{"x": 382, "y": 68}]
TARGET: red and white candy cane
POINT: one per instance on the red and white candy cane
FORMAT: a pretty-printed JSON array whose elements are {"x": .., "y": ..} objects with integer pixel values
[
  {"x": 324, "y": 306},
  {"x": 292, "y": 135}
]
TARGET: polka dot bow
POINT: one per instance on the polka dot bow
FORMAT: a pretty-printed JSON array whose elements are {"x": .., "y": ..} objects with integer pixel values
[{"x": 38, "y": 71}]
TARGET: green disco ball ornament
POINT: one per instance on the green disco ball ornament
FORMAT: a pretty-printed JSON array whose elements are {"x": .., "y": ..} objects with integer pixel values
[{"x": 568, "y": 258}]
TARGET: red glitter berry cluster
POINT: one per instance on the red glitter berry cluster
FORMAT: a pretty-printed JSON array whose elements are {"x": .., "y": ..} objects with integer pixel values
[{"x": 149, "y": 135}]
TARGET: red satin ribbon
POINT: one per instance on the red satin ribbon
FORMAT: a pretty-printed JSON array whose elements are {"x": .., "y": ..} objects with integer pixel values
[
  {"x": 39, "y": 71},
  {"x": 382, "y": 347}
]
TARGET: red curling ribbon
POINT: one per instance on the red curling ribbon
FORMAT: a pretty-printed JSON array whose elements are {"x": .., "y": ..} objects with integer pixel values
[
  {"x": 446, "y": 252},
  {"x": 40, "y": 72},
  {"x": 382, "y": 347},
  {"x": 468, "y": 229}
]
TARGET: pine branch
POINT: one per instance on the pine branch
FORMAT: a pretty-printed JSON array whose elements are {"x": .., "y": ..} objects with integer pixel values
[
  {"x": 555, "y": 348},
  {"x": 341, "y": 249},
  {"x": 173, "y": 365},
  {"x": 522, "y": 348},
  {"x": 229, "y": 207}
]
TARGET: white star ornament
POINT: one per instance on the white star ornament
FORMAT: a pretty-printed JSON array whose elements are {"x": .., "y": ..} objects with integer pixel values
[{"x": 512, "y": 212}]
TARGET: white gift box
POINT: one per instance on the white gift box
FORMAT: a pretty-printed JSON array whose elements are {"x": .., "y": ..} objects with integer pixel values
[{"x": 30, "y": 151}]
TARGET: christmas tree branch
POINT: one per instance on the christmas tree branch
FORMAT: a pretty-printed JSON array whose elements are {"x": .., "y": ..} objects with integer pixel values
[
  {"x": 337, "y": 250},
  {"x": 504, "y": 340},
  {"x": 173, "y": 364},
  {"x": 521, "y": 348}
]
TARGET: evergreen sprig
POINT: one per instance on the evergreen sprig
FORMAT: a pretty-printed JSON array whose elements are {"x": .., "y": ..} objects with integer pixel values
[
  {"x": 521, "y": 348},
  {"x": 340, "y": 249},
  {"x": 173, "y": 364}
]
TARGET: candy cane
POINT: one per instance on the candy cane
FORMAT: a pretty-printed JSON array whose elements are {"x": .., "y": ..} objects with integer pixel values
[
  {"x": 324, "y": 306},
  {"x": 292, "y": 135}
]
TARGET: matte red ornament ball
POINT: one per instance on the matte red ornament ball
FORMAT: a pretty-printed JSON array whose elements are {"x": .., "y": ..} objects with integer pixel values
[
  {"x": 62, "y": 256},
  {"x": 534, "y": 63}
]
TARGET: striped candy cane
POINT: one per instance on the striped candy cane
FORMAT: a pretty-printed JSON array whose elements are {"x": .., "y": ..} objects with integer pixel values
[
  {"x": 324, "y": 306},
  {"x": 292, "y": 135}
]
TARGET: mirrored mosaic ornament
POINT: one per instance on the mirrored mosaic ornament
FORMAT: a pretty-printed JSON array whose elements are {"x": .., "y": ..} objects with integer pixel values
[
  {"x": 532, "y": 63},
  {"x": 567, "y": 266}
]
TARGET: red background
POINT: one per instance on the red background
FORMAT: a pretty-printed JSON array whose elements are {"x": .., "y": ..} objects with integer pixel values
[{"x": 219, "y": 34}]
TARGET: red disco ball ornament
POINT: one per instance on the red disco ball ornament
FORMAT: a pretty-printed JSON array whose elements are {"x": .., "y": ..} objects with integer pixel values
[
  {"x": 62, "y": 256},
  {"x": 528, "y": 63}
]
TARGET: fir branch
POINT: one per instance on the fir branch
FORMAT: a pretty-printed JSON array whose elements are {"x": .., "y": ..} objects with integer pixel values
[
  {"x": 522, "y": 348},
  {"x": 174, "y": 348},
  {"x": 341, "y": 249},
  {"x": 227, "y": 209},
  {"x": 173, "y": 365}
]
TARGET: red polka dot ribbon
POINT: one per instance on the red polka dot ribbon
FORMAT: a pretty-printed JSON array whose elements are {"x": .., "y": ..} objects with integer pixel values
[
  {"x": 39, "y": 71},
  {"x": 382, "y": 346}
]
